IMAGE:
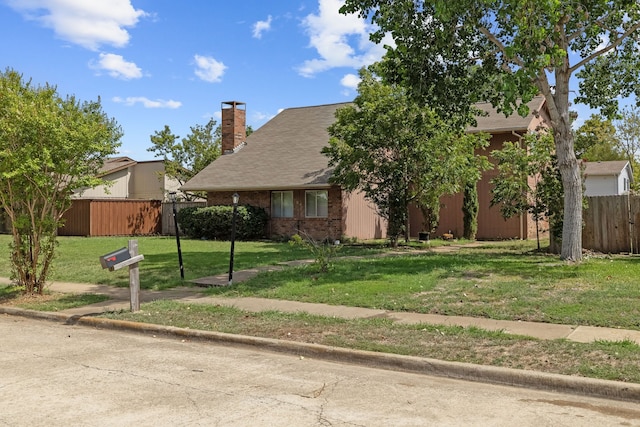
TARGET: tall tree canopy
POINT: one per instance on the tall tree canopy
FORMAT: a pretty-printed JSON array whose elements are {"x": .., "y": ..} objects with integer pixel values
[
  {"x": 596, "y": 140},
  {"x": 191, "y": 154},
  {"x": 397, "y": 152},
  {"x": 628, "y": 136},
  {"x": 49, "y": 146},
  {"x": 454, "y": 53}
]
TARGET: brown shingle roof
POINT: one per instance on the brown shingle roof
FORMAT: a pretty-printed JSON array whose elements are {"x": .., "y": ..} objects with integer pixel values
[
  {"x": 114, "y": 164},
  {"x": 285, "y": 152},
  {"x": 496, "y": 122},
  {"x": 282, "y": 154},
  {"x": 612, "y": 167}
]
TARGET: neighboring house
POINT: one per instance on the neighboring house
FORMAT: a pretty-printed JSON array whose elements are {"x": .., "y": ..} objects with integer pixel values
[
  {"x": 131, "y": 180},
  {"x": 611, "y": 178},
  {"x": 280, "y": 168}
]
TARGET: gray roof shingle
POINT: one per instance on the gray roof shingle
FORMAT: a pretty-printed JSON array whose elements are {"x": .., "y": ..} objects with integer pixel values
[{"x": 285, "y": 153}]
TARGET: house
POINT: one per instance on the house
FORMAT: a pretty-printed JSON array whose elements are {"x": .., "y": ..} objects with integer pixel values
[
  {"x": 611, "y": 178},
  {"x": 491, "y": 224},
  {"x": 131, "y": 180},
  {"x": 131, "y": 205},
  {"x": 280, "y": 168}
]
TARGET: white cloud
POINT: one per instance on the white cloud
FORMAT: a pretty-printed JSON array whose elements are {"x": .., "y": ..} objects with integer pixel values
[
  {"x": 340, "y": 40},
  {"x": 86, "y": 23},
  {"x": 260, "y": 27},
  {"x": 350, "y": 81},
  {"x": 209, "y": 69},
  {"x": 147, "y": 103},
  {"x": 117, "y": 67}
]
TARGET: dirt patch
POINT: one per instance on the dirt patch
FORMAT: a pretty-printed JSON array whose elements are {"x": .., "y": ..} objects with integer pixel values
[{"x": 19, "y": 299}]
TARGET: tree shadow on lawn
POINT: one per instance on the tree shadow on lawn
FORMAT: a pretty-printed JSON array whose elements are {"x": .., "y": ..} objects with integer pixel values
[
  {"x": 159, "y": 268},
  {"x": 375, "y": 269}
]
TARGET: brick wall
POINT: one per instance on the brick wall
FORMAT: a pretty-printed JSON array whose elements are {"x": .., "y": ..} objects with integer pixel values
[{"x": 330, "y": 227}]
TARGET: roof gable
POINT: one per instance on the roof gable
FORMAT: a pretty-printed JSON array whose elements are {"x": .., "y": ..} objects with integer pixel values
[
  {"x": 114, "y": 164},
  {"x": 494, "y": 122},
  {"x": 285, "y": 153},
  {"x": 604, "y": 168}
]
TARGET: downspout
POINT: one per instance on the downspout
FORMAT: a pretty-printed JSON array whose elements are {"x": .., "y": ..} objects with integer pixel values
[{"x": 523, "y": 232}]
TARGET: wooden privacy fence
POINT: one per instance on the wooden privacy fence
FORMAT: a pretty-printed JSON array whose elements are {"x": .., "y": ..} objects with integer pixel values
[
  {"x": 612, "y": 224},
  {"x": 102, "y": 217},
  {"x": 112, "y": 218},
  {"x": 168, "y": 227}
]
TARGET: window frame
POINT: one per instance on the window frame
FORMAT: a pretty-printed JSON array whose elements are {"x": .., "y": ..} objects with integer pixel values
[
  {"x": 315, "y": 198},
  {"x": 281, "y": 204}
]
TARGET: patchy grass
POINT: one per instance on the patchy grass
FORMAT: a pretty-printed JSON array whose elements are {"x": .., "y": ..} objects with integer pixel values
[
  {"x": 13, "y": 296},
  {"x": 618, "y": 361},
  {"x": 501, "y": 281},
  {"x": 506, "y": 282}
]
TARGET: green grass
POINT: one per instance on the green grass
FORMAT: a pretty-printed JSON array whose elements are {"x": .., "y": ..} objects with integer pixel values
[
  {"x": 64, "y": 302},
  {"x": 500, "y": 282},
  {"x": 77, "y": 258},
  {"x": 508, "y": 280},
  {"x": 618, "y": 361}
]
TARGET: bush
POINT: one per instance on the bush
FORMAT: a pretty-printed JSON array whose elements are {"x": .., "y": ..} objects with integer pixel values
[
  {"x": 322, "y": 251},
  {"x": 214, "y": 222}
]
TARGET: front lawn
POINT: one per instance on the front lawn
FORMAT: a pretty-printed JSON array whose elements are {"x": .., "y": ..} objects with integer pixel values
[
  {"x": 500, "y": 281},
  {"x": 77, "y": 258}
]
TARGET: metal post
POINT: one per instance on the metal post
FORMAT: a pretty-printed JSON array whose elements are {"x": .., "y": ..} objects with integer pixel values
[
  {"x": 175, "y": 224},
  {"x": 233, "y": 235}
]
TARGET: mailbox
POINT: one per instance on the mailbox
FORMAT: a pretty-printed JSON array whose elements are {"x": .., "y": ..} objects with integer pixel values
[{"x": 115, "y": 257}]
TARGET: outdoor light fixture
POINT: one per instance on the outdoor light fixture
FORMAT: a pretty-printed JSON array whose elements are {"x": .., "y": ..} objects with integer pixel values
[
  {"x": 172, "y": 197},
  {"x": 235, "y": 199}
]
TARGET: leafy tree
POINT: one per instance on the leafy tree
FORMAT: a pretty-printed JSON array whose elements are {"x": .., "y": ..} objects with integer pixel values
[
  {"x": 49, "y": 146},
  {"x": 596, "y": 140},
  {"x": 189, "y": 156},
  {"x": 454, "y": 53},
  {"x": 529, "y": 181},
  {"x": 186, "y": 158},
  {"x": 398, "y": 152},
  {"x": 628, "y": 131},
  {"x": 470, "y": 208}
]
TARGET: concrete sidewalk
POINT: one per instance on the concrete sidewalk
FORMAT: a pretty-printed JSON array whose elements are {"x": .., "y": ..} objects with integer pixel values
[{"x": 120, "y": 300}]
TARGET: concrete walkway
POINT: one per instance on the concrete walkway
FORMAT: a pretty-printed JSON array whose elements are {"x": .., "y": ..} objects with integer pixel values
[{"x": 120, "y": 300}]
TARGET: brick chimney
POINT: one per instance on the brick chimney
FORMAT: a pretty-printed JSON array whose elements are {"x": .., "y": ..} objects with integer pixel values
[{"x": 234, "y": 131}]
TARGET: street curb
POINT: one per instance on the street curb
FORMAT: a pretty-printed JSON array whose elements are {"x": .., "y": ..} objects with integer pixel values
[{"x": 455, "y": 370}]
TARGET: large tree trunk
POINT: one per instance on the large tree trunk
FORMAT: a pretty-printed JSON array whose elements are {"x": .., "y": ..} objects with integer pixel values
[
  {"x": 572, "y": 183},
  {"x": 569, "y": 170}
]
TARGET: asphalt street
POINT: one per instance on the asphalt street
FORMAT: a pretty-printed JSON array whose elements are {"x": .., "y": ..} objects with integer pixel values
[{"x": 52, "y": 374}]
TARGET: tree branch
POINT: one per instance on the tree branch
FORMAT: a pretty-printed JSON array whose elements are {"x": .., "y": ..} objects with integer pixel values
[
  {"x": 493, "y": 39},
  {"x": 617, "y": 42}
]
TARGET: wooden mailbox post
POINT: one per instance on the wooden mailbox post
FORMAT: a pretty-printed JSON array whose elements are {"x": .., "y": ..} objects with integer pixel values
[{"x": 122, "y": 258}]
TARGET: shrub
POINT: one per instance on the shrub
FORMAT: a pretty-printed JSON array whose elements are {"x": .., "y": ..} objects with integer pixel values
[
  {"x": 214, "y": 222},
  {"x": 322, "y": 251}
]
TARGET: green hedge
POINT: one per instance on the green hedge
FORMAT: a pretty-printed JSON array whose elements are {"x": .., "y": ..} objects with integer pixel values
[{"x": 214, "y": 222}]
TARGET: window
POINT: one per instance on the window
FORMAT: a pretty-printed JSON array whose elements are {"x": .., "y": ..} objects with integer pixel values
[
  {"x": 317, "y": 204},
  {"x": 282, "y": 204}
]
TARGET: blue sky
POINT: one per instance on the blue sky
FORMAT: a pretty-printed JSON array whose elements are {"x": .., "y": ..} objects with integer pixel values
[{"x": 164, "y": 62}]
